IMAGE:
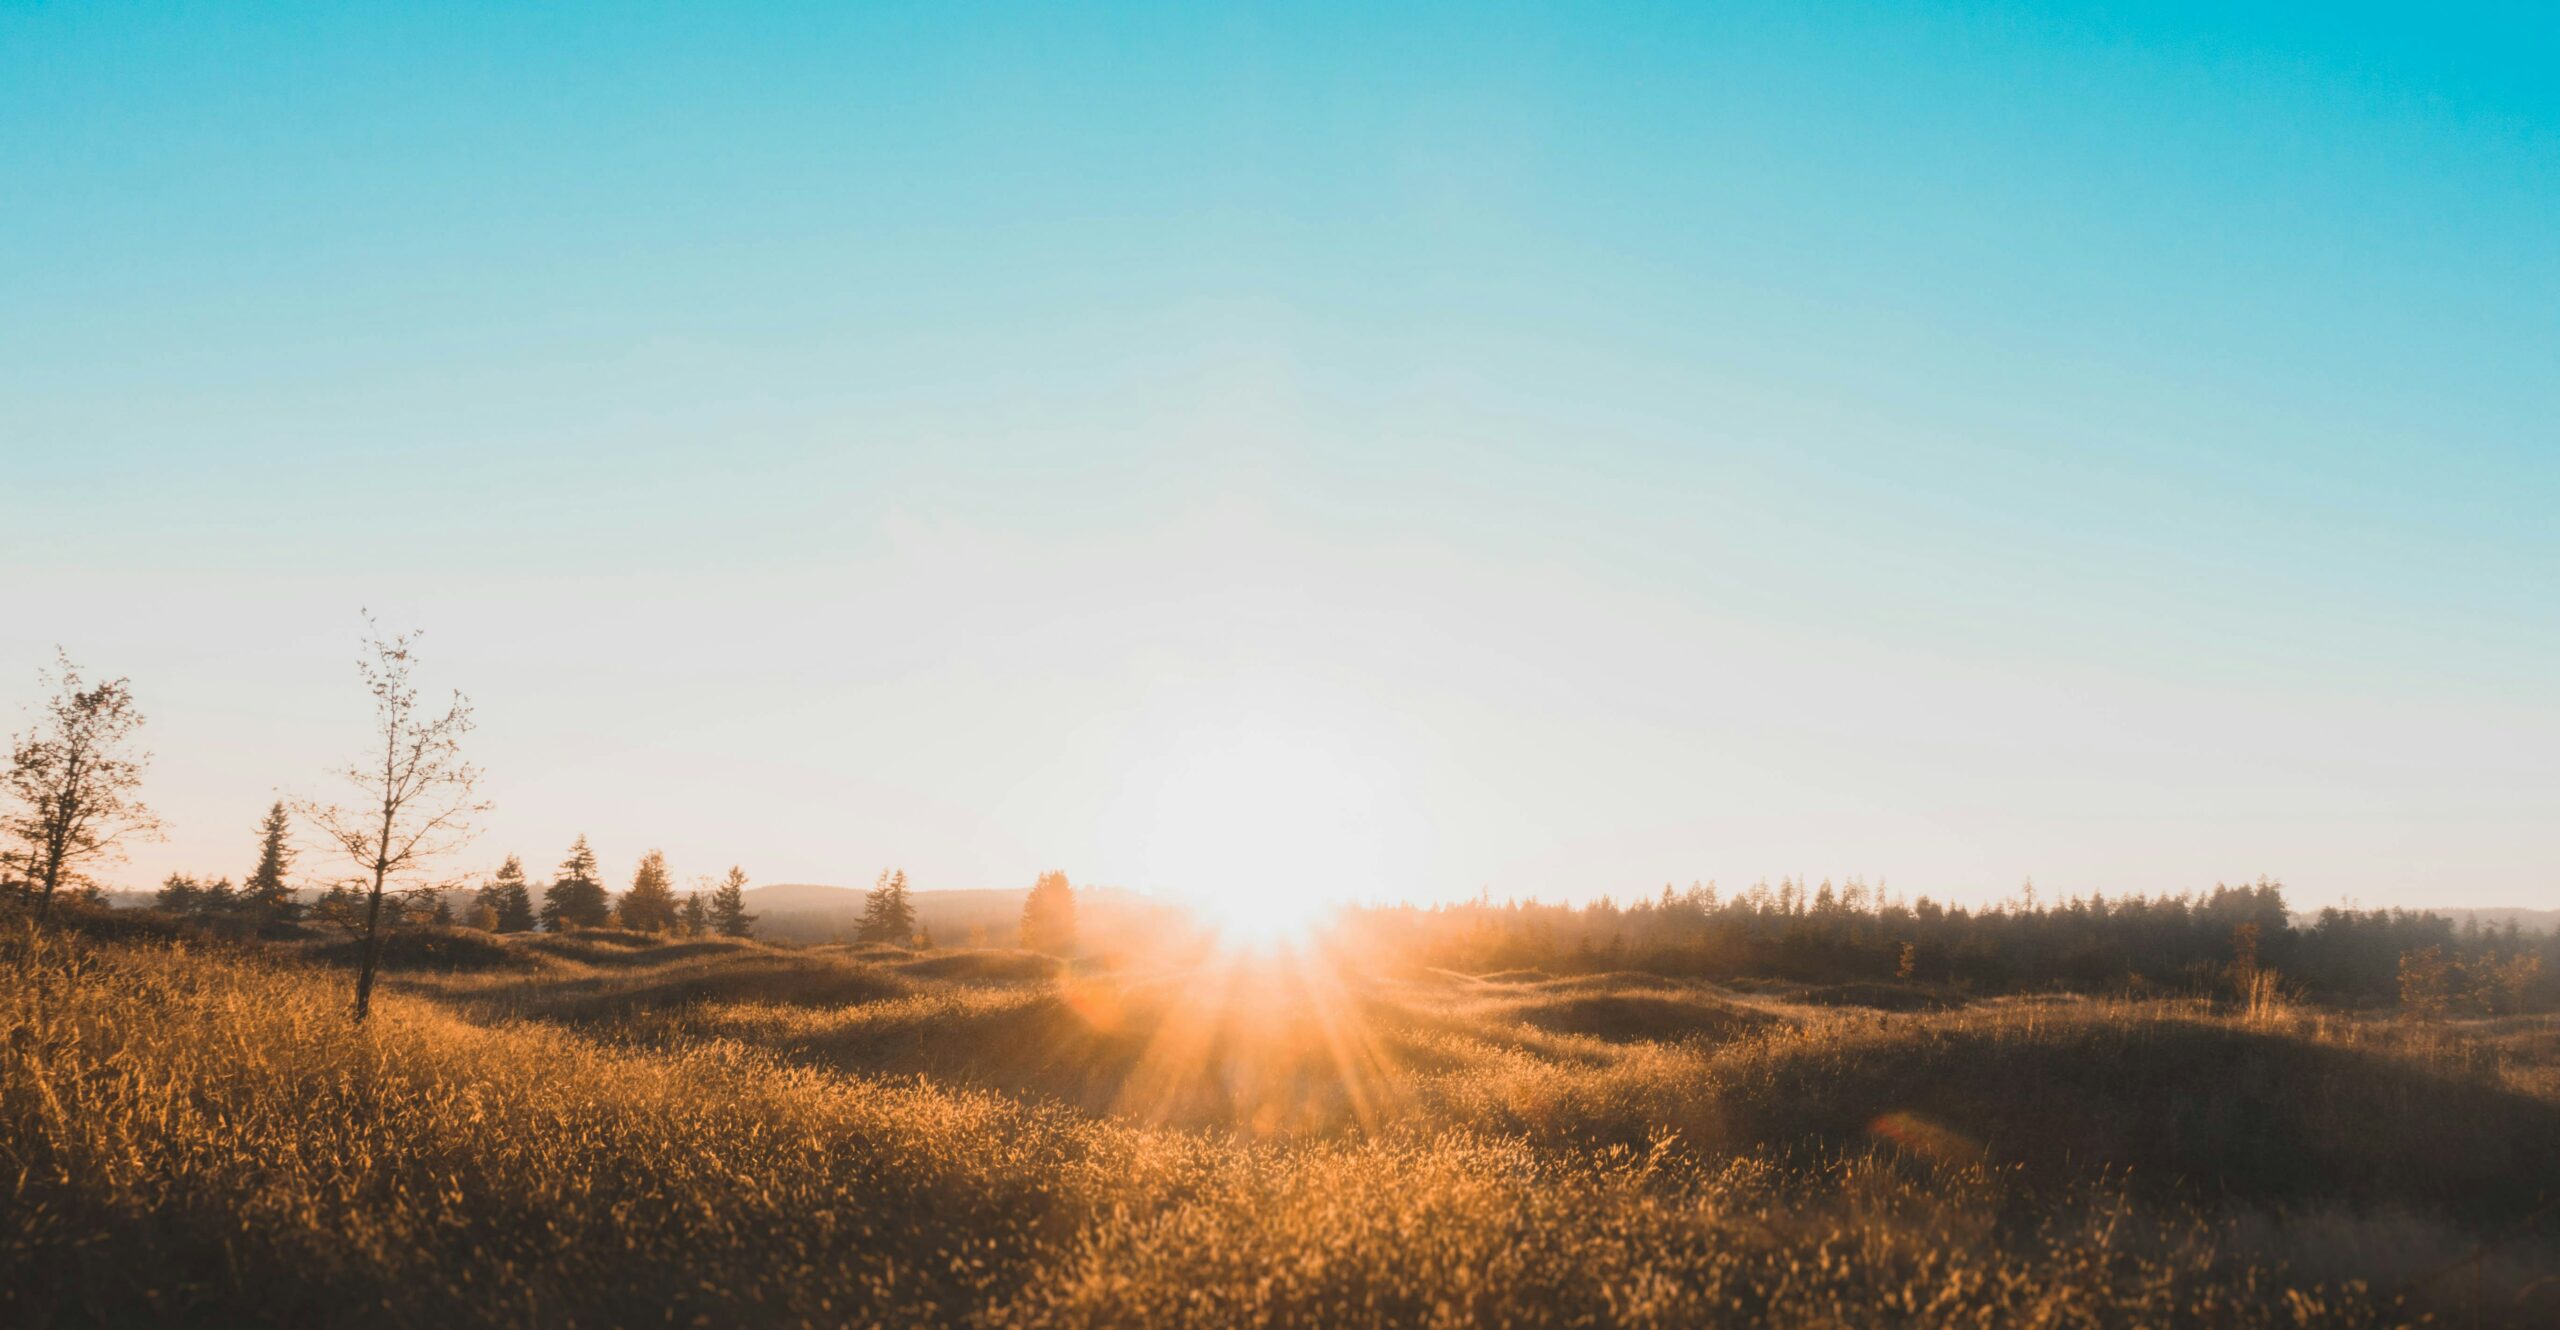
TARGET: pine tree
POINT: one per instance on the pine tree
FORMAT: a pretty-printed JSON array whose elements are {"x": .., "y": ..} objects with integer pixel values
[
  {"x": 507, "y": 898},
  {"x": 1049, "y": 915},
  {"x": 220, "y": 897},
  {"x": 729, "y": 915},
  {"x": 695, "y": 919},
  {"x": 179, "y": 894},
  {"x": 887, "y": 915},
  {"x": 924, "y": 937},
  {"x": 344, "y": 906},
  {"x": 576, "y": 897},
  {"x": 650, "y": 905},
  {"x": 442, "y": 915},
  {"x": 266, "y": 895}
]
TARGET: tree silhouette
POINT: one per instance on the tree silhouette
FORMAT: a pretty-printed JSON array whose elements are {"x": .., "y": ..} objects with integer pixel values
[
  {"x": 729, "y": 915},
  {"x": 576, "y": 897},
  {"x": 1049, "y": 915},
  {"x": 887, "y": 914},
  {"x": 415, "y": 798},
  {"x": 650, "y": 905},
  {"x": 507, "y": 898},
  {"x": 179, "y": 894},
  {"x": 68, "y": 793},
  {"x": 266, "y": 894}
]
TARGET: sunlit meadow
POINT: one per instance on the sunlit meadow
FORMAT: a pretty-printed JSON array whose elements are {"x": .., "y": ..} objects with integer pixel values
[{"x": 1770, "y": 663}]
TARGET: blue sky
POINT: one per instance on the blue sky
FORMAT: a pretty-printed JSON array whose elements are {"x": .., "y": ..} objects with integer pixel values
[{"x": 1545, "y": 449}]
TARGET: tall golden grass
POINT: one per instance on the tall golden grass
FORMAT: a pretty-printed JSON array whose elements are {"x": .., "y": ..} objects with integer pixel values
[{"x": 609, "y": 1131}]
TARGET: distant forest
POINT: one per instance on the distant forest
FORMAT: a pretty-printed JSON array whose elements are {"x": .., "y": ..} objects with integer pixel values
[
  {"x": 69, "y": 794},
  {"x": 2221, "y": 942}
]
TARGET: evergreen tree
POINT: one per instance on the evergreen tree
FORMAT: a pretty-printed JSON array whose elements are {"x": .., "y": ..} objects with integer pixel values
[
  {"x": 1049, "y": 915},
  {"x": 266, "y": 894},
  {"x": 695, "y": 919},
  {"x": 179, "y": 894},
  {"x": 220, "y": 897},
  {"x": 576, "y": 897},
  {"x": 650, "y": 905},
  {"x": 887, "y": 915},
  {"x": 729, "y": 915},
  {"x": 344, "y": 906},
  {"x": 442, "y": 915},
  {"x": 507, "y": 898}
]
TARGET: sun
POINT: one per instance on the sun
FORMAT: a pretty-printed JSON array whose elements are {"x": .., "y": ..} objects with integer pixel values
[
  {"x": 1255, "y": 921},
  {"x": 1261, "y": 827}
]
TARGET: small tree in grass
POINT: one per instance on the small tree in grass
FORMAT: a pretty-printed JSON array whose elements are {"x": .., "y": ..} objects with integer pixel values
[
  {"x": 576, "y": 897},
  {"x": 1049, "y": 915},
  {"x": 267, "y": 895},
  {"x": 507, "y": 899},
  {"x": 729, "y": 917},
  {"x": 179, "y": 894},
  {"x": 887, "y": 913},
  {"x": 415, "y": 800},
  {"x": 2426, "y": 983},
  {"x": 650, "y": 905}
]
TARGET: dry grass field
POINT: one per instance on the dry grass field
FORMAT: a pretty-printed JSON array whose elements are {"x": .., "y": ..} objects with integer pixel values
[{"x": 608, "y": 1129}]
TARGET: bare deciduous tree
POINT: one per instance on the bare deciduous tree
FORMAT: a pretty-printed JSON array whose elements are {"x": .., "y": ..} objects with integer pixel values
[
  {"x": 416, "y": 799},
  {"x": 70, "y": 786}
]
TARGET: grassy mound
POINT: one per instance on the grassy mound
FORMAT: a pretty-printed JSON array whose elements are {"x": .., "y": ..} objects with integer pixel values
[
  {"x": 2221, "y": 1112},
  {"x": 1616, "y": 981},
  {"x": 438, "y": 949},
  {"x": 196, "y": 1136},
  {"x": 615, "y": 949},
  {"x": 1875, "y": 997},
  {"x": 690, "y": 974},
  {"x": 985, "y": 967},
  {"x": 1632, "y": 1016}
]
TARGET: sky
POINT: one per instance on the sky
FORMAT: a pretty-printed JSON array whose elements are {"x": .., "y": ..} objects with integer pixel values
[{"x": 1375, "y": 451}]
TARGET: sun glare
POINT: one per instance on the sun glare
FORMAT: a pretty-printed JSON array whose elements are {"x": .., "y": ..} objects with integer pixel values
[
  {"x": 1245, "y": 920},
  {"x": 1262, "y": 828}
]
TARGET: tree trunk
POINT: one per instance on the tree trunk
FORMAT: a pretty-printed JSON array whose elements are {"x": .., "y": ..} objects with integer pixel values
[
  {"x": 372, "y": 952},
  {"x": 52, "y": 879}
]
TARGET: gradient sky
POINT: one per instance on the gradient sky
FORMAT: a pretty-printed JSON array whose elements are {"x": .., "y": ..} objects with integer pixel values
[{"x": 1544, "y": 449}]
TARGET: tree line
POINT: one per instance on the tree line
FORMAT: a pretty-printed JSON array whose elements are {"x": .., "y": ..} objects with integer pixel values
[
  {"x": 576, "y": 898},
  {"x": 1828, "y": 934},
  {"x": 70, "y": 799}
]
